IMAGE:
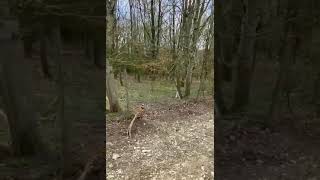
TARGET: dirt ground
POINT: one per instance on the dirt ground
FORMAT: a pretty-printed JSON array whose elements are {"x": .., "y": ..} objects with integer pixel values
[
  {"x": 252, "y": 153},
  {"x": 245, "y": 150},
  {"x": 171, "y": 141}
]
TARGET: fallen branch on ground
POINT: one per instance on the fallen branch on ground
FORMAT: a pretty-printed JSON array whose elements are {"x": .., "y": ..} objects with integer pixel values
[
  {"x": 139, "y": 114},
  {"x": 94, "y": 169},
  {"x": 85, "y": 172}
]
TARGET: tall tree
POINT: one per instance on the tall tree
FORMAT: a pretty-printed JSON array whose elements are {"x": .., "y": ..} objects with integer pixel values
[
  {"x": 110, "y": 84},
  {"x": 245, "y": 55},
  {"x": 153, "y": 29},
  {"x": 18, "y": 100}
]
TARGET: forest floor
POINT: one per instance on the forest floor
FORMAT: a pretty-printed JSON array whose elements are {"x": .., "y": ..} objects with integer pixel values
[
  {"x": 171, "y": 141},
  {"x": 246, "y": 152}
]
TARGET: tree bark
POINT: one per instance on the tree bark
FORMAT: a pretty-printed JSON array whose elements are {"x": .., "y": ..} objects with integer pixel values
[
  {"x": 65, "y": 124},
  {"x": 44, "y": 56},
  {"x": 110, "y": 83},
  {"x": 98, "y": 52},
  {"x": 245, "y": 57},
  {"x": 153, "y": 30},
  {"x": 159, "y": 27},
  {"x": 111, "y": 91},
  {"x": 286, "y": 56},
  {"x": 27, "y": 46},
  {"x": 218, "y": 81},
  {"x": 18, "y": 101}
]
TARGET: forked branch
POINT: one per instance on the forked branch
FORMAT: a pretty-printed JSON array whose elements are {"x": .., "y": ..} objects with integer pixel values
[{"x": 139, "y": 114}]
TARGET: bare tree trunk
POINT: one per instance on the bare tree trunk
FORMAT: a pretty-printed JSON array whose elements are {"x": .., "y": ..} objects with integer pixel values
[
  {"x": 127, "y": 89},
  {"x": 178, "y": 87},
  {"x": 230, "y": 30},
  {"x": 44, "y": 55},
  {"x": 18, "y": 101},
  {"x": 184, "y": 43},
  {"x": 245, "y": 57},
  {"x": 65, "y": 123},
  {"x": 206, "y": 55},
  {"x": 27, "y": 44},
  {"x": 133, "y": 31},
  {"x": 218, "y": 95},
  {"x": 315, "y": 54},
  {"x": 285, "y": 58},
  {"x": 98, "y": 48},
  {"x": 317, "y": 94},
  {"x": 192, "y": 28},
  {"x": 111, "y": 92},
  {"x": 153, "y": 30},
  {"x": 177, "y": 72},
  {"x": 120, "y": 77},
  {"x": 219, "y": 102},
  {"x": 188, "y": 79},
  {"x": 110, "y": 84},
  {"x": 88, "y": 45},
  {"x": 159, "y": 27},
  {"x": 201, "y": 85},
  {"x": 139, "y": 77}
]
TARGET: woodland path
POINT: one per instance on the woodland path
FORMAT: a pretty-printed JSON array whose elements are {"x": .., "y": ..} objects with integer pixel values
[{"x": 172, "y": 141}]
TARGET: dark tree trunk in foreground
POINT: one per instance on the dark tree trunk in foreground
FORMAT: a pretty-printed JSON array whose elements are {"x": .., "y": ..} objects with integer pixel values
[
  {"x": 27, "y": 46},
  {"x": 65, "y": 124},
  {"x": 17, "y": 96},
  {"x": 44, "y": 56},
  {"x": 245, "y": 57}
]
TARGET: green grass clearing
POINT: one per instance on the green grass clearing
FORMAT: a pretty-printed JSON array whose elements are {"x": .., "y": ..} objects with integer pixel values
[{"x": 148, "y": 91}]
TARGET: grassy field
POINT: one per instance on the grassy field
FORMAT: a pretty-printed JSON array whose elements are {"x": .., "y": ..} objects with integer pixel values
[{"x": 161, "y": 91}]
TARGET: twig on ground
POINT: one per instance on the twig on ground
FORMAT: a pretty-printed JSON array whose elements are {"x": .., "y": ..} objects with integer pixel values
[{"x": 139, "y": 114}]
